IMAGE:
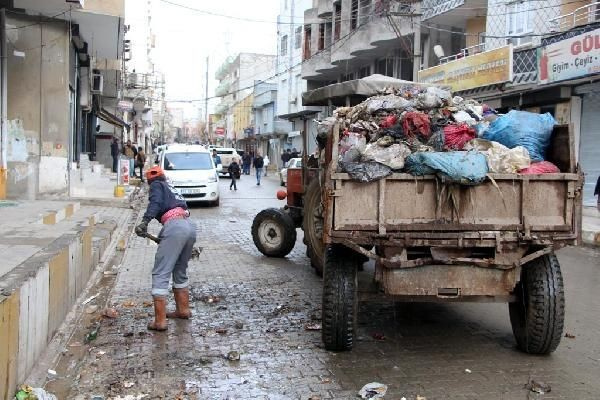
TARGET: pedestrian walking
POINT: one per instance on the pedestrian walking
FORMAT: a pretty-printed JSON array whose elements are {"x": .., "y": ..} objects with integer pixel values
[
  {"x": 285, "y": 157},
  {"x": 114, "y": 152},
  {"x": 177, "y": 238},
  {"x": 597, "y": 193},
  {"x": 289, "y": 157},
  {"x": 234, "y": 173},
  {"x": 130, "y": 153},
  {"x": 140, "y": 161},
  {"x": 258, "y": 165},
  {"x": 266, "y": 162},
  {"x": 216, "y": 158},
  {"x": 246, "y": 160},
  {"x": 294, "y": 153}
]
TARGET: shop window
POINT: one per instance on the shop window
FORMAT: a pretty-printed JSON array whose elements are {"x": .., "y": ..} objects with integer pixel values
[
  {"x": 307, "y": 39},
  {"x": 337, "y": 21},
  {"x": 298, "y": 37},
  {"x": 519, "y": 22},
  {"x": 284, "y": 45}
]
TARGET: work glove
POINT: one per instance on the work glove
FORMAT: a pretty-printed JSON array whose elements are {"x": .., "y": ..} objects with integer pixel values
[{"x": 142, "y": 229}]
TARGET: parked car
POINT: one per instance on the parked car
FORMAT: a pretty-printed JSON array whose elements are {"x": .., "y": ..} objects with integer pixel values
[
  {"x": 191, "y": 170},
  {"x": 293, "y": 163}
]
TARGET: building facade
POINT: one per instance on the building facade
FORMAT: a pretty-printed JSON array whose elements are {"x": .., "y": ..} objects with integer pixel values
[
  {"x": 63, "y": 75},
  {"x": 237, "y": 76}
]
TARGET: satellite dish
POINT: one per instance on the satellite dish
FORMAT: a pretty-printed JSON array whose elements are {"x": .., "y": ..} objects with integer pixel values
[{"x": 438, "y": 50}]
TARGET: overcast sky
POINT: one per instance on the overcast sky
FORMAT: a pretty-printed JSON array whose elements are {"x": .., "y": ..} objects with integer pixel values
[{"x": 185, "y": 38}]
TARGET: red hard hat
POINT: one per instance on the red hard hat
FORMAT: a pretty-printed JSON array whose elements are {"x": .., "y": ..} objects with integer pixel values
[{"x": 153, "y": 173}]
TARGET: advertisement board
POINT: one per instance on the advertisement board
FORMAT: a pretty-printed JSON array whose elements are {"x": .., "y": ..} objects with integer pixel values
[
  {"x": 571, "y": 58},
  {"x": 483, "y": 69},
  {"x": 124, "y": 171}
]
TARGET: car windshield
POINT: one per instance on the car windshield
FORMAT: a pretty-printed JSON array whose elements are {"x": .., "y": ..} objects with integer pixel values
[{"x": 187, "y": 161}]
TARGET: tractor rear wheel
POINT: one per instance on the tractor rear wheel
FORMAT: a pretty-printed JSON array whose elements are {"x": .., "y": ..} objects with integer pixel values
[
  {"x": 274, "y": 232},
  {"x": 312, "y": 225}
]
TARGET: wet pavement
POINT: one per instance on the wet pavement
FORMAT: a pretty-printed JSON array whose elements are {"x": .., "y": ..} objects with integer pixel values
[{"x": 258, "y": 308}]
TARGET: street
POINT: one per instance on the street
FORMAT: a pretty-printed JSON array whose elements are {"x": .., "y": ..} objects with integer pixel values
[{"x": 260, "y": 308}]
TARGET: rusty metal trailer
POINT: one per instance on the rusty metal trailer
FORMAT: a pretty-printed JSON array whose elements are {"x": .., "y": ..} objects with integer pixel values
[{"x": 435, "y": 241}]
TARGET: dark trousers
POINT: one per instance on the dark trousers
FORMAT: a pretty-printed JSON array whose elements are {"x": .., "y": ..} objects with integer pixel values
[
  {"x": 246, "y": 169},
  {"x": 115, "y": 163},
  {"x": 233, "y": 183},
  {"x": 141, "y": 167}
]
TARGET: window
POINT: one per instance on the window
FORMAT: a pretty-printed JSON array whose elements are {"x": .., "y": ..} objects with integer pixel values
[
  {"x": 187, "y": 161},
  {"x": 519, "y": 22},
  {"x": 365, "y": 11},
  {"x": 327, "y": 35},
  {"x": 347, "y": 77},
  {"x": 337, "y": 21},
  {"x": 307, "y": 39},
  {"x": 364, "y": 72},
  {"x": 385, "y": 66},
  {"x": 298, "y": 38},
  {"x": 321, "y": 36},
  {"x": 354, "y": 15},
  {"x": 284, "y": 45}
]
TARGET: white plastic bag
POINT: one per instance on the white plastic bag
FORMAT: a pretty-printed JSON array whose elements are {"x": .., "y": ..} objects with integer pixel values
[
  {"x": 352, "y": 140},
  {"x": 393, "y": 156}
]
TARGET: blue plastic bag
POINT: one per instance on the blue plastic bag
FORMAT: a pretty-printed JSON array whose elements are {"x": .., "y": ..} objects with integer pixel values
[
  {"x": 522, "y": 128},
  {"x": 466, "y": 167}
]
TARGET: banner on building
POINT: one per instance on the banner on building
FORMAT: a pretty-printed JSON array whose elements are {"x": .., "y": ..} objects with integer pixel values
[
  {"x": 220, "y": 131},
  {"x": 125, "y": 105},
  {"x": 571, "y": 58},
  {"x": 483, "y": 69}
]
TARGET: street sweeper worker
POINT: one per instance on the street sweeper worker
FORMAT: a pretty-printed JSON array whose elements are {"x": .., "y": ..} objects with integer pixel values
[{"x": 177, "y": 238}]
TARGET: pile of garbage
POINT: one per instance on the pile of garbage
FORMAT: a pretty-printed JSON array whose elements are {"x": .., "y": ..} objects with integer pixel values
[{"x": 428, "y": 131}]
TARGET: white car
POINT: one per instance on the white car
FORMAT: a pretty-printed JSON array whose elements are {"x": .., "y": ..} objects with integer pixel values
[
  {"x": 190, "y": 169},
  {"x": 293, "y": 163},
  {"x": 227, "y": 155}
]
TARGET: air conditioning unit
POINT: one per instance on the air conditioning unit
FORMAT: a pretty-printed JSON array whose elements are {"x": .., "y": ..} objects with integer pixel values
[
  {"x": 76, "y": 3},
  {"x": 97, "y": 83}
]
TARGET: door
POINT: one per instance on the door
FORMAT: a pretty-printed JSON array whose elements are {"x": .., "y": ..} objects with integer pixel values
[{"x": 589, "y": 148}]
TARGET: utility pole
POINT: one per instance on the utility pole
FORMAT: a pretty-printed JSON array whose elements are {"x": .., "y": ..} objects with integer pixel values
[
  {"x": 207, "y": 125},
  {"x": 3, "y": 105}
]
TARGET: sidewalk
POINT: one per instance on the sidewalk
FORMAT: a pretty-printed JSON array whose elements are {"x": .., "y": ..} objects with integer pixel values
[
  {"x": 591, "y": 226},
  {"x": 50, "y": 250}
]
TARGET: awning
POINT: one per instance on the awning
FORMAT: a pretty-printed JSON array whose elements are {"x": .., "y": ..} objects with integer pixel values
[
  {"x": 112, "y": 119},
  {"x": 299, "y": 114},
  {"x": 355, "y": 90}
]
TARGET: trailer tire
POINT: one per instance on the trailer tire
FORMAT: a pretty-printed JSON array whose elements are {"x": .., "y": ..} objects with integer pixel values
[
  {"x": 274, "y": 232},
  {"x": 312, "y": 224},
  {"x": 537, "y": 317},
  {"x": 340, "y": 305}
]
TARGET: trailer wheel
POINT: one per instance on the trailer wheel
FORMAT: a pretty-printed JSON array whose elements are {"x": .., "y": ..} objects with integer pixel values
[
  {"x": 312, "y": 225},
  {"x": 340, "y": 306},
  {"x": 537, "y": 317},
  {"x": 273, "y": 232}
]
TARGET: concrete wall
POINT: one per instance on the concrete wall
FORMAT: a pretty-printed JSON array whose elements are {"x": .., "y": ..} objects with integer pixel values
[
  {"x": 38, "y": 106},
  {"x": 474, "y": 26},
  {"x": 107, "y": 7},
  {"x": 36, "y": 297}
]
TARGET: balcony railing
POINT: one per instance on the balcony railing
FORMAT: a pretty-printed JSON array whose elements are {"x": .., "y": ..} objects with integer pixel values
[
  {"x": 580, "y": 16},
  {"x": 432, "y": 8},
  {"x": 466, "y": 52},
  {"x": 222, "y": 89}
]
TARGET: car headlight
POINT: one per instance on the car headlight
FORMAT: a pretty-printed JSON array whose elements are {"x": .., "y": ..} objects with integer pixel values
[{"x": 213, "y": 179}]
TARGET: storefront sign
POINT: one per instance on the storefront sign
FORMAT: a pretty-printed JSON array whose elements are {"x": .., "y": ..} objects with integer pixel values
[
  {"x": 570, "y": 58},
  {"x": 220, "y": 131},
  {"x": 125, "y": 105},
  {"x": 487, "y": 68}
]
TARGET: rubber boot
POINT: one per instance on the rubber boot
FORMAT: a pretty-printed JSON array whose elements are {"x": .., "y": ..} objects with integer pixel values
[
  {"x": 160, "y": 314},
  {"x": 182, "y": 304}
]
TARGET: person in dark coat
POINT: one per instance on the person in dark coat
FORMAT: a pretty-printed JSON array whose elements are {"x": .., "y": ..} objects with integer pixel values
[
  {"x": 258, "y": 163},
  {"x": 114, "y": 152},
  {"x": 177, "y": 238},
  {"x": 234, "y": 173},
  {"x": 597, "y": 193},
  {"x": 246, "y": 161}
]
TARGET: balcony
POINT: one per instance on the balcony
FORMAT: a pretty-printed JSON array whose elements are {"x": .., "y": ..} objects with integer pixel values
[
  {"x": 466, "y": 52},
  {"x": 584, "y": 15},
  {"x": 222, "y": 108},
  {"x": 325, "y": 8},
  {"x": 223, "y": 70},
  {"x": 452, "y": 12},
  {"x": 223, "y": 89}
]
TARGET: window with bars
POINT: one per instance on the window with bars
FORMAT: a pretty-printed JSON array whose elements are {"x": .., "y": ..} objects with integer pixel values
[
  {"x": 298, "y": 38},
  {"x": 519, "y": 22},
  {"x": 284, "y": 45},
  {"x": 307, "y": 39},
  {"x": 337, "y": 21},
  {"x": 321, "y": 36},
  {"x": 354, "y": 15},
  {"x": 365, "y": 11}
]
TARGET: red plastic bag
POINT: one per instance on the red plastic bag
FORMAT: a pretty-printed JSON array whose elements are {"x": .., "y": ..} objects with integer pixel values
[
  {"x": 456, "y": 136},
  {"x": 416, "y": 123},
  {"x": 542, "y": 167},
  {"x": 389, "y": 121}
]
